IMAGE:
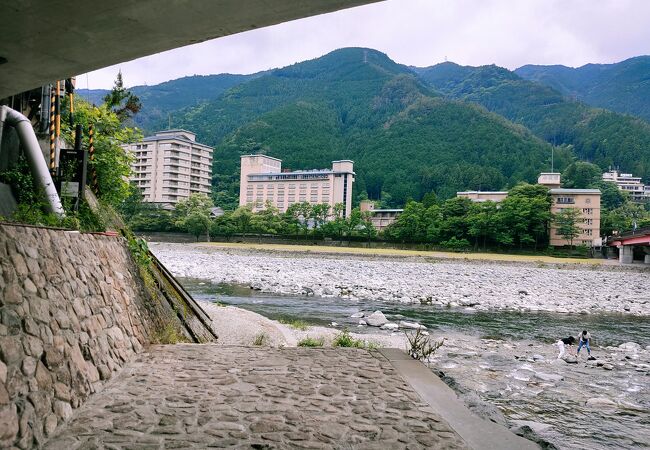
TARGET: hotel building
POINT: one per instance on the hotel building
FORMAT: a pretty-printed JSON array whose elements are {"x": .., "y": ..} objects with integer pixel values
[
  {"x": 628, "y": 183},
  {"x": 171, "y": 165},
  {"x": 586, "y": 201},
  {"x": 380, "y": 218},
  {"x": 262, "y": 180}
]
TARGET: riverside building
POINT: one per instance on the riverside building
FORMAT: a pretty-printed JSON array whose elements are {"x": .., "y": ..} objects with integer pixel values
[
  {"x": 630, "y": 184},
  {"x": 171, "y": 165},
  {"x": 586, "y": 201},
  {"x": 380, "y": 218},
  {"x": 262, "y": 180}
]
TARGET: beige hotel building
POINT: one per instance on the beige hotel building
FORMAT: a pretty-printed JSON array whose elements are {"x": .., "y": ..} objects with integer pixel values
[
  {"x": 586, "y": 201},
  {"x": 263, "y": 180},
  {"x": 171, "y": 165}
]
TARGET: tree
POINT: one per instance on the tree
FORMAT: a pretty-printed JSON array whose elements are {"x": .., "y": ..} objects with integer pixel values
[
  {"x": 482, "y": 221},
  {"x": 581, "y": 175},
  {"x": 111, "y": 162},
  {"x": 242, "y": 218},
  {"x": 121, "y": 101},
  {"x": 566, "y": 222},
  {"x": 611, "y": 197},
  {"x": 193, "y": 214}
]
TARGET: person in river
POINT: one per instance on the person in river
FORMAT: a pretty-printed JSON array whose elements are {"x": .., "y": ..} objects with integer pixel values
[
  {"x": 561, "y": 344},
  {"x": 583, "y": 341}
]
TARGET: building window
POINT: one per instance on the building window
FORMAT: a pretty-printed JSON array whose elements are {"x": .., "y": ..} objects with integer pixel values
[
  {"x": 565, "y": 200},
  {"x": 588, "y": 231},
  {"x": 587, "y": 211}
]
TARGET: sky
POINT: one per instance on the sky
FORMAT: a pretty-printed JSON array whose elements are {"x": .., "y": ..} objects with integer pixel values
[{"x": 509, "y": 33}]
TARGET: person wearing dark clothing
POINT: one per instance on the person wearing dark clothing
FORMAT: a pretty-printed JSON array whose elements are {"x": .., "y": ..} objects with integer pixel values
[{"x": 583, "y": 341}]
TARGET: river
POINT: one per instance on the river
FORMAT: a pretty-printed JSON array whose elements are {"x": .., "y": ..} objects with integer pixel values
[{"x": 508, "y": 360}]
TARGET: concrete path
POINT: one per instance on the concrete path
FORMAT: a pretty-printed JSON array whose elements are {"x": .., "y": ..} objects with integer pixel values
[
  {"x": 198, "y": 396},
  {"x": 478, "y": 433}
]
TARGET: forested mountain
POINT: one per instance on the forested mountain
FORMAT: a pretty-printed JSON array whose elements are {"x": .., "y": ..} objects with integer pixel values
[
  {"x": 164, "y": 99},
  {"x": 597, "y": 135},
  {"x": 357, "y": 104},
  {"x": 623, "y": 87}
]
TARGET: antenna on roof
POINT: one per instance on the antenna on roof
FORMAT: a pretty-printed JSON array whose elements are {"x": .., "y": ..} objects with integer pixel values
[{"x": 552, "y": 152}]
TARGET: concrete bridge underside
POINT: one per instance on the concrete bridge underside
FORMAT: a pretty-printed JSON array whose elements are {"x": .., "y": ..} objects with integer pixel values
[{"x": 45, "y": 40}]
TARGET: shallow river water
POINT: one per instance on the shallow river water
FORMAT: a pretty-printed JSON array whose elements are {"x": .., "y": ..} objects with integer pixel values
[{"x": 504, "y": 363}]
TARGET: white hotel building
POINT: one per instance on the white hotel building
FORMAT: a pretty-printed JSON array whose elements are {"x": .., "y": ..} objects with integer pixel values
[
  {"x": 171, "y": 165},
  {"x": 262, "y": 180}
]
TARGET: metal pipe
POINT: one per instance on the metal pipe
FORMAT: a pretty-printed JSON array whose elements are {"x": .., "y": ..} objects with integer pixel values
[{"x": 35, "y": 157}]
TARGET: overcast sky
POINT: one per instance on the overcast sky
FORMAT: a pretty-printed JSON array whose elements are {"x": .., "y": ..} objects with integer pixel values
[{"x": 509, "y": 33}]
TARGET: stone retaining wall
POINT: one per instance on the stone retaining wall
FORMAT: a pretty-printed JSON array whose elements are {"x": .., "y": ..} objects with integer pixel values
[{"x": 72, "y": 312}]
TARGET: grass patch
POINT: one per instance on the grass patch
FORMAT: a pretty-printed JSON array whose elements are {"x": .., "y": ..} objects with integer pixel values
[
  {"x": 218, "y": 303},
  {"x": 261, "y": 339},
  {"x": 311, "y": 342},
  {"x": 294, "y": 323},
  {"x": 344, "y": 339}
]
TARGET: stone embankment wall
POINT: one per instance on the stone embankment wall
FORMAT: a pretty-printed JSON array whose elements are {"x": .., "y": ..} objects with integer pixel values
[{"x": 73, "y": 311}]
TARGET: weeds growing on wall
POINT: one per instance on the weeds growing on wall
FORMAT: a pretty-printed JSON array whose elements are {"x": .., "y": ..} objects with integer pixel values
[{"x": 261, "y": 339}]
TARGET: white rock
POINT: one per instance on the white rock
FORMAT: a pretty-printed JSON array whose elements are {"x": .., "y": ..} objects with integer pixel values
[
  {"x": 548, "y": 376},
  {"x": 601, "y": 402},
  {"x": 630, "y": 347},
  {"x": 358, "y": 315},
  {"x": 362, "y": 322},
  {"x": 411, "y": 325},
  {"x": 390, "y": 326},
  {"x": 376, "y": 319}
]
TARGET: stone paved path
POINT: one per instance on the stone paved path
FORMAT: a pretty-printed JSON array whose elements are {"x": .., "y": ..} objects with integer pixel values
[{"x": 198, "y": 396}]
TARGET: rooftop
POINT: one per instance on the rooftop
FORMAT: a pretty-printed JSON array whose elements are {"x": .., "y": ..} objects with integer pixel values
[{"x": 575, "y": 191}]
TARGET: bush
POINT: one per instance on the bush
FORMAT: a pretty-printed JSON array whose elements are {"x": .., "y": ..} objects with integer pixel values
[
  {"x": 311, "y": 342},
  {"x": 261, "y": 339},
  {"x": 344, "y": 339},
  {"x": 294, "y": 323},
  {"x": 421, "y": 346},
  {"x": 455, "y": 244}
]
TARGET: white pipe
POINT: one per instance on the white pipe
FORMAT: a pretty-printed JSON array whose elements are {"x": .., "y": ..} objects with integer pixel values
[{"x": 34, "y": 157}]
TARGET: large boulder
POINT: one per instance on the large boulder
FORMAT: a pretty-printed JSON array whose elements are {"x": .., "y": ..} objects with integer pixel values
[
  {"x": 376, "y": 319},
  {"x": 411, "y": 325},
  {"x": 630, "y": 347}
]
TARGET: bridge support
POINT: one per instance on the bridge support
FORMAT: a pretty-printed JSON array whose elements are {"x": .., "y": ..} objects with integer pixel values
[{"x": 626, "y": 254}]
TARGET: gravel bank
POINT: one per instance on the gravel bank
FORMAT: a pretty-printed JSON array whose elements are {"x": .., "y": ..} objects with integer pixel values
[{"x": 480, "y": 285}]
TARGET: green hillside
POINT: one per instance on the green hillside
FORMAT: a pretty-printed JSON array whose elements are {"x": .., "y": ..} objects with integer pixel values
[
  {"x": 623, "y": 87},
  {"x": 165, "y": 98},
  {"x": 358, "y": 104},
  {"x": 597, "y": 135}
]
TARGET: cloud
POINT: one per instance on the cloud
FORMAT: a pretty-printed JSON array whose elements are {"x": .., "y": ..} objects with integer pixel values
[{"x": 417, "y": 32}]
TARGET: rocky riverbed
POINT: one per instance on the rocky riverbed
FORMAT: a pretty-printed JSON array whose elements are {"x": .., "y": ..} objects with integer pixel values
[
  {"x": 503, "y": 364},
  {"x": 480, "y": 285}
]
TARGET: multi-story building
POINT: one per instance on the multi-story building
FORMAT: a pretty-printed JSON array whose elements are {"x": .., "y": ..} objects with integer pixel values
[
  {"x": 262, "y": 180},
  {"x": 586, "y": 201},
  {"x": 483, "y": 196},
  {"x": 380, "y": 218},
  {"x": 171, "y": 165},
  {"x": 628, "y": 183}
]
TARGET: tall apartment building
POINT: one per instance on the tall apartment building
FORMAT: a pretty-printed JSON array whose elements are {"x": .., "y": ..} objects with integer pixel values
[
  {"x": 262, "y": 180},
  {"x": 171, "y": 165},
  {"x": 628, "y": 183},
  {"x": 586, "y": 201}
]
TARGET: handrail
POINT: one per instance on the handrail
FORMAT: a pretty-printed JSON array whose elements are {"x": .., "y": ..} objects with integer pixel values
[{"x": 187, "y": 298}]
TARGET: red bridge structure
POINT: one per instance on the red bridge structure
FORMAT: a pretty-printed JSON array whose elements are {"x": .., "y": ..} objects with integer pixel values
[{"x": 626, "y": 243}]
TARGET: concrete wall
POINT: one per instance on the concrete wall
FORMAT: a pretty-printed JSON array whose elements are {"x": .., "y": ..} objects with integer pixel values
[{"x": 72, "y": 312}]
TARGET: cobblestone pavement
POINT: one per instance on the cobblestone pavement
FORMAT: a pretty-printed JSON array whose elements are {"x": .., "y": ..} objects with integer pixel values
[{"x": 198, "y": 396}]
